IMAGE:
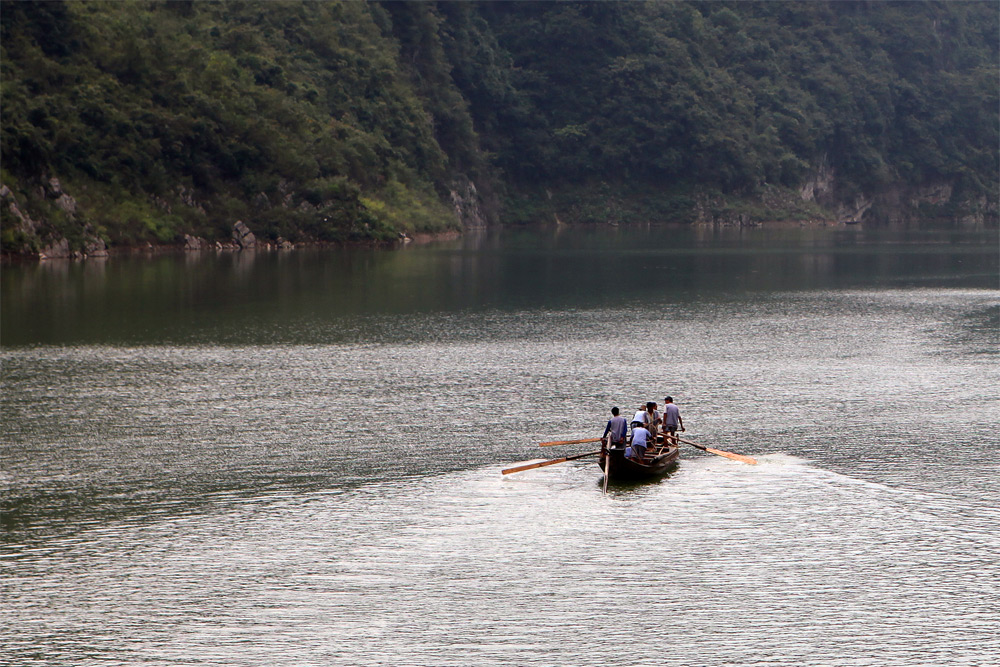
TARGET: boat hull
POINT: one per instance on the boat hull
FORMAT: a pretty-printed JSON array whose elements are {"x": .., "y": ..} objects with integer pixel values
[{"x": 622, "y": 469}]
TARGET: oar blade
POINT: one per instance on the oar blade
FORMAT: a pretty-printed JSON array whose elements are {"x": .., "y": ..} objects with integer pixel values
[
  {"x": 736, "y": 457},
  {"x": 729, "y": 455}
]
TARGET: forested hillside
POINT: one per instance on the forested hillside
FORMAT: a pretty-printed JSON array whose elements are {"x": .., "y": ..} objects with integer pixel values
[{"x": 127, "y": 123}]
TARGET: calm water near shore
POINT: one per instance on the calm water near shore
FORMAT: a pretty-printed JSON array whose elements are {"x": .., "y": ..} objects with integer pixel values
[{"x": 293, "y": 458}]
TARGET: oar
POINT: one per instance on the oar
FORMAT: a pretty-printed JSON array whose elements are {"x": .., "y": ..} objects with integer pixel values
[
  {"x": 728, "y": 455},
  {"x": 607, "y": 472},
  {"x": 529, "y": 466},
  {"x": 567, "y": 442}
]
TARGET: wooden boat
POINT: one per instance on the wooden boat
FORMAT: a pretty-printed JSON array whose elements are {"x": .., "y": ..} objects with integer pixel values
[
  {"x": 659, "y": 459},
  {"x": 618, "y": 468}
]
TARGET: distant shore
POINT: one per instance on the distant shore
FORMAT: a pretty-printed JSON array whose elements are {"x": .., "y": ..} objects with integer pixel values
[{"x": 423, "y": 238}]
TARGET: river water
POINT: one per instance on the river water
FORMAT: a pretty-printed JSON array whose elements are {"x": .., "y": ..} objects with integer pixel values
[{"x": 294, "y": 458}]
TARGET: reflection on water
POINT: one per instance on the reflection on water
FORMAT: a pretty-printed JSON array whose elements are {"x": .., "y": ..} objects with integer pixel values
[
  {"x": 293, "y": 458},
  {"x": 293, "y": 297}
]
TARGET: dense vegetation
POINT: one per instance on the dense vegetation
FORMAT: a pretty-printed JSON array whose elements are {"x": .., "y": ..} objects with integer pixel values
[
  {"x": 347, "y": 120},
  {"x": 743, "y": 95}
]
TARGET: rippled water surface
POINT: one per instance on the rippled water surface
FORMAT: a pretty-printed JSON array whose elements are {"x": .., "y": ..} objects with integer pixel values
[{"x": 295, "y": 459}]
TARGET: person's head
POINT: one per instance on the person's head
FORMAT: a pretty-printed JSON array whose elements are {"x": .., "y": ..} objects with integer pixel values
[
  {"x": 614, "y": 411},
  {"x": 668, "y": 399},
  {"x": 650, "y": 406}
]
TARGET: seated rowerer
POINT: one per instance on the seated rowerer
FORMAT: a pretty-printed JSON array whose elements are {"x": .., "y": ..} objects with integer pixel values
[{"x": 640, "y": 439}]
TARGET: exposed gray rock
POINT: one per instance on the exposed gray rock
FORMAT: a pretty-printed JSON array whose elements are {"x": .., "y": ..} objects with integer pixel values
[
  {"x": 67, "y": 203},
  {"x": 243, "y": 236},
  {"x": 820, "y": 184},
  {"x": 57, "y": 249},
  {"x": 194, "y": 243},
  {"x": 855, "y": 210},
  {"x": 187, "y": 196},
  {"x": 62, "y": 198},
  {"x": 466, "y": 202},
  {"x": 96, "y": 248},
  {"x": 261, "y": 202},
  {"x": 935, "y": 194},
  {"x": 25, "y": 224}
]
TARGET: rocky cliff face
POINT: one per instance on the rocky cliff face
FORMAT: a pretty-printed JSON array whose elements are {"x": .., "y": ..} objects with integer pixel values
[
  {"x": 18, "y": 222},
  {"x": 897, "y": 203},
  {"x": 37, "y": 237},
  {"x": 819, "y": 185},
  {"x": 468, "y": 204},
  {"x": 910, "y": 203},
  {"x": 45, "y": 221},
  {"x": 819, "y": 199}
]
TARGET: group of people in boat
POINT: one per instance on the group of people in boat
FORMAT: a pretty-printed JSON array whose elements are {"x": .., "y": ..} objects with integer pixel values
[{"x": 648, "y": 428}]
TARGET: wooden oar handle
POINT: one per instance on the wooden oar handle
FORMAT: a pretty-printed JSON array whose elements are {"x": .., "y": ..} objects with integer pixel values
[
  {"x": 693, "y": 444},
  {"x": 550, "y": 462},
  {"x": 567, "y": 442}
]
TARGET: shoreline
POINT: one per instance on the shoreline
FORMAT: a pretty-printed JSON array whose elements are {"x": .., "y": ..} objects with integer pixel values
[
  {"x": 229, "y": 247},
  {"x": 424, "y": 238}
]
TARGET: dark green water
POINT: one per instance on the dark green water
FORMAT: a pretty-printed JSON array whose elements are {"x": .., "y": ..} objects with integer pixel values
[
  {"x": 309, "y": 296},
  {"x": 293, "y": 458}
]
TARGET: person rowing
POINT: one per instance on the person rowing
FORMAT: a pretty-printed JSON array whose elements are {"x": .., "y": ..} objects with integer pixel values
[
  {"x": 641, "y": 438},
  {"x": 671, "y": 419},
  {"x": 640, "y": 417},
  {"x": 652, "y": 420},
  {"x": 617, "y": 428}
]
